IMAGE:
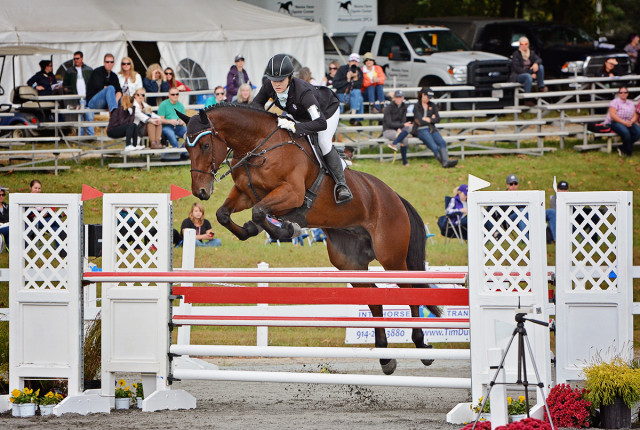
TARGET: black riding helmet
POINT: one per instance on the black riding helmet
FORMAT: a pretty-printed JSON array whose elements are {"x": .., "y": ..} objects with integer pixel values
[{"x": 279, "y": 68}]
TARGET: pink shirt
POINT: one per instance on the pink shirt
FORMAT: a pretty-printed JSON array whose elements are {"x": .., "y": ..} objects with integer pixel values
[{"x": 624, "y": 110}]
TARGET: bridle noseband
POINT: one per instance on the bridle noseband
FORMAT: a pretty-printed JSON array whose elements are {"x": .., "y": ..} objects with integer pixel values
[{"x": 214, "y": 133}]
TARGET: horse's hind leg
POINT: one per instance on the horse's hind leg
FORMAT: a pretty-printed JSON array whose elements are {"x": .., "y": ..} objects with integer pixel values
[{"x": 351, "y": 250}]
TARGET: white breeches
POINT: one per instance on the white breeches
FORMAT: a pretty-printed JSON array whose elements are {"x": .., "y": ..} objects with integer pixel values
[{"x": 326, "y": 136}]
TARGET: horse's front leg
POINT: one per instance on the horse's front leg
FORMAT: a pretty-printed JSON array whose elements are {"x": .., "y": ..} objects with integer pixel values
[
  {"x": 280, "y": 201},
  {"x": 388, "y": 365},
  {"x": 237, "y": 201},
  {"x": 417, "y": 335}
]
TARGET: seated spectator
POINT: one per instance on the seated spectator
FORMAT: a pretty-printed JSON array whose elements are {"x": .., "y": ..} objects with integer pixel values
[
  {"x": 550, "y": 214},
  {"x": 103, "y": 89},
  {"x": 395, "y": 126},
  {"x": 622, "y": 118},
  {"x": 121, "y": 124},
  {"x": 526, "y": 66},
  {"x": 608, "y": 68},
  {"x": 219, "y": 96},
  {"x": 4, "y": 218},
  {"x": 512, "y": 185},
  {"x": 237, "y": 76},
  {"x": 632, "y": 50},
  {"x": 305, "y": 75},
  {"x": 148, "y": 122},
  {"x": 327, "y": 81},
  {"x": 129, "y": 79},
  {"x": 426, "y": 117},
  {"x": 75, "y": 82},
  {"x": 373, "y": 83},
  {"x": 155, "y": 82},
  {"x": 173, "y": 82},
  {"x": 457, "y": 209},
  {"x": 202, "y": 226},
  {"x": 45, "y": 81},
  {"x": 172, "y": 127},
  {"x": 244, "y": 96},
  {"x": 347, "y": 84}
]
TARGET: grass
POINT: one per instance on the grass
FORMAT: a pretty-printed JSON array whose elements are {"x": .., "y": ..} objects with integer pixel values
[{"x": 423, "y": 183}]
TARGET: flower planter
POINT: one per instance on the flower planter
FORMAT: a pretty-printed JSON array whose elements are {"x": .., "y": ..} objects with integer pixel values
[
  {"x": 123, "y": 402},
  {"x": 616, "y": 415},
  {"x": 23, "y": 410},
  {"x": 139, "y": 402},
  {"x": 46, "y": 409},
  {"x": 517, "y": 417}
]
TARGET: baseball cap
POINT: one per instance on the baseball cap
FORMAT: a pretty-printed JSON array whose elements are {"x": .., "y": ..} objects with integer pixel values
[
  {"x": 427, "y": 91},
  {"x": 398, "y": 93},
  {"x": 238, "y": 58},
  {"x": 563, "y": 185},
  {"x": 354, "y": 57},
  {"x": 463, "y": 189},
  {"x": 511, "y": 179}
]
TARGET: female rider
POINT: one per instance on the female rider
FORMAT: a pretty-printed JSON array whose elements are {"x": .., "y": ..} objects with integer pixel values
[{"x": 314, "y": 109}]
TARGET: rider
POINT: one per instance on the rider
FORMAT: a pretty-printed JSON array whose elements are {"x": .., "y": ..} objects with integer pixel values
[{"x": 314, "y": 109}]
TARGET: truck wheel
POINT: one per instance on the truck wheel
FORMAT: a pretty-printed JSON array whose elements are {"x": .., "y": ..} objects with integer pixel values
[
  {"x": 430, "y": 81},
  {"x": 18, "y": 134}
]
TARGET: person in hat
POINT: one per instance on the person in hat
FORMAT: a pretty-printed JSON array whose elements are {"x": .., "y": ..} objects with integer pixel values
[
  {"x": 395, "y": 126},
  {"x": 44, "y": 80},
  {"x": 550, "y": 214},
  {"x": 348, "y": 85},
  {"x": 373, "y": 83},
  {"x": 426, "y": 116},
  {"x": 307, "y": 109},
  {"x": 457, "y": 208},
  {"x": 237, "y": 76},
  {"x": 512, "y": 185},
  {"x": 608, "y": 68},
  {"x": 4, "y": 217},
  {"x": 526, "y": 66}
]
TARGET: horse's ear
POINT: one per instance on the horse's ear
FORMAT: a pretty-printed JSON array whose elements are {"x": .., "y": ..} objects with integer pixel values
[
  {"x": 183, "y": 117},
  {"x": 203, "y": 117}
]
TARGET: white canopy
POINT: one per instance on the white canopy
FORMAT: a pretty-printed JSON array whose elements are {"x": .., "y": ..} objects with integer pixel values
[{"x": 209, "y": 32}]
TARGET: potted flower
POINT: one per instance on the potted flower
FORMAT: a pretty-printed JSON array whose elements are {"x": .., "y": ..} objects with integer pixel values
[
  {"x": 24, "y": 402},
  {"x": 123, "y": 395},
  {"x": 48, "y": 402},
  {"x": 614, "y": 387},
  {"x": 485, "y": 413},
  {"x": 139, "y": 394},
  {"x": 517, "y": 409},
  {"x": 569, "y": 407}
]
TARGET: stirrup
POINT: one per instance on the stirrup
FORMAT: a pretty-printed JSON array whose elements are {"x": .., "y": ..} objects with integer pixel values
[{"x": 345, "y": 199}]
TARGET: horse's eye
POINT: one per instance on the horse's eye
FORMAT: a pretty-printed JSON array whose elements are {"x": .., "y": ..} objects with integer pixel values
[{"x": 205, "y": 146}]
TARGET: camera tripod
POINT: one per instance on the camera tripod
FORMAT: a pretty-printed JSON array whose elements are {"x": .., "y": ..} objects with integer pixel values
[{"x": 521, "y": 332}]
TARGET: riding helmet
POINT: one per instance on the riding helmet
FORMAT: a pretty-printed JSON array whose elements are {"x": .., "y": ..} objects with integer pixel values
[{"x": 279, "y": 68}]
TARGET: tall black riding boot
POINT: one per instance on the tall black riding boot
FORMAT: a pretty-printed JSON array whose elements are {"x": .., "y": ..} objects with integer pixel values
[
  {"x": 341, "y": 192},
  {"x": 445, "y": 160}
]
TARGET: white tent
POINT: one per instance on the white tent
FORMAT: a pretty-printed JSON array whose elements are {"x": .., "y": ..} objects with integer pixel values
[{"x": 208, "y": 32}]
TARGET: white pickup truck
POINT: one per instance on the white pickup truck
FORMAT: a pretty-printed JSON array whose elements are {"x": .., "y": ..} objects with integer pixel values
[{"x": 419, "y": 55}]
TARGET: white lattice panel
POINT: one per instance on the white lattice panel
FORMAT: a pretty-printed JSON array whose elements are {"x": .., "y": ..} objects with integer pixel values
[
  {"x": 135, "y": 337},
  {"x": 507, "y": 268},
  {"x": 45, "y": 291},
  {"x": 594, "y": 284}
]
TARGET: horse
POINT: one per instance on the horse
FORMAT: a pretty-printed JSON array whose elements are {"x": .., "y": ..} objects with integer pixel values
[
  {"x": 345, "y": 6},
  {"x": 276, "y": 173},
  {"x": 284, "y": 7}
]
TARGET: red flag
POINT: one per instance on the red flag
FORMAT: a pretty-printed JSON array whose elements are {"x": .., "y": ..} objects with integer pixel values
[
  {"x": 89, "y": 193},
  {"x": 178, "y": 192}
]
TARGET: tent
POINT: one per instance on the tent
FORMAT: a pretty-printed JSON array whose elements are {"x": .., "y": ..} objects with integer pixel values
[{"x": 193, "y": 36}]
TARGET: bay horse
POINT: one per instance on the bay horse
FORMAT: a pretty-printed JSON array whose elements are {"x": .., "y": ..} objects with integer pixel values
[{"x": 272, "y": 171}]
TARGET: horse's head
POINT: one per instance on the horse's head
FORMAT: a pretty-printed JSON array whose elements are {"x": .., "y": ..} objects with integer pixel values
[{"x": 207, "y": 150}]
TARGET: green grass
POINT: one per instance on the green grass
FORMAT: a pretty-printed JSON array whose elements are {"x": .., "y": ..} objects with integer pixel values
[{"x": 423, "y": 183}]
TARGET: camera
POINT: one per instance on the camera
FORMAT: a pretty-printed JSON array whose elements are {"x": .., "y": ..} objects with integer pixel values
[{"x": 354, "y": 68}]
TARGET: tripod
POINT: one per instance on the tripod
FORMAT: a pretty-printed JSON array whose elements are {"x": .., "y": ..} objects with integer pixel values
[{"x": 521, "y": 332}]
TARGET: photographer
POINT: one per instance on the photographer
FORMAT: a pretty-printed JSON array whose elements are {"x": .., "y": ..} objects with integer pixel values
[{"x": 348, "y": 86}]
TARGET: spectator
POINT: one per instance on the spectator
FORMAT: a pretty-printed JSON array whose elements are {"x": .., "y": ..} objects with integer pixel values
[
  {"x": 373, "y": 83},
  {"x": 236, "y": 77},
  {"x": 348, "y": 85},
  {"x": 395, "y": 126},
  {"x": 129, "y": 79},
  {"x": 622, "y": 118},
  {"x": 426, "y": 117},
  {"x": 608, "y": 68},
  {"x": 4, "y": 218},
  {"x": 512, "y": 185},
  {"x": 155, "y": 82},
  {"x": 550, "y": 214},
  {"x": 121, "y": 124},
  {"x": 202, "y": 226},
  {"x": 172, "y": 127},
  {"x": 219, "y": 96},
  {"x": 327, "y": 81},
  {"x": 526, "y": 66},
  {"x": 457, "y": 209},
  {"x": 632, "y": 50},
  {"x": 148, "y": 122},
  {"x": 173, "y": 82},
  {"x": 103, "y": 89},
  {"x": 45, "y": 81},
  {"x": 244, "y": 96},
  {"x": 305, "y": 75},
  {"x": 75, "y": 82}
]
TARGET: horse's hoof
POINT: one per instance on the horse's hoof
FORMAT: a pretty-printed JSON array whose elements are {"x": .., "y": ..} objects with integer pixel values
[
  {"x": 427, "y": 362},
  {"x": 389, "y": 367},
  {"x": 251, "y": 228}
]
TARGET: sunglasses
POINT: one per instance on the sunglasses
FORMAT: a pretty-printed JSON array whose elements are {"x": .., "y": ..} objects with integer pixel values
[
  {"x": 125, "y": 64},
  {"x": 2, "y": 194},
  {"x": 107, "y": 61},
  {"x": 513, "y": 183},
  {"x": 140, "y": 94},
  {"x": 168, "y": 73},
  {"x": 219, "y": 94},
  {"x": 77, "y": 58},
  {"x": 174, "y": 94},
  {"x": 333, "y": 68}
]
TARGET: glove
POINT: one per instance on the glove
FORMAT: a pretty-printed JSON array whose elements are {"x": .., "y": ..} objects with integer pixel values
[{"x": 287, "y": 124}]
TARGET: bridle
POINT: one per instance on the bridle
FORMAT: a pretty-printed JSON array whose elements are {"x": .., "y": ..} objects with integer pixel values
[{"x": 214, "y": 133}]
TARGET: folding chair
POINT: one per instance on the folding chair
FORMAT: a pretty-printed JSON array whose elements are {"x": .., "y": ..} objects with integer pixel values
[{"x": 448, "y": 228}]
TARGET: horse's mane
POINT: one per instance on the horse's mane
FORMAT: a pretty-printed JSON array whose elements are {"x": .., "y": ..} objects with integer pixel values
[{"x": 239, "y": 106}]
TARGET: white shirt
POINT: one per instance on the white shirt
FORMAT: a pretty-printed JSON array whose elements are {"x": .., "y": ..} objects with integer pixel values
[
  {"x": 130, "y": 87},
  {"x": 81, "y": 85},
  {"x": 140, "y": 116}
]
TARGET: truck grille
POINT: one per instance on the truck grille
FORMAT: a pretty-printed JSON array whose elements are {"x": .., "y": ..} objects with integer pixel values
[{"x": 483, "y": 74}]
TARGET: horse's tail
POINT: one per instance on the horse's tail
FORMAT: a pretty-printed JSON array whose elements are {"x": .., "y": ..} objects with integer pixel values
[{"x": 416, "y": 253}]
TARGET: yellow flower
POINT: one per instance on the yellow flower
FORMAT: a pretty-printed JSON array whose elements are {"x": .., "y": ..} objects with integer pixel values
[
  {"x": 27, "y": 390},
  {"x": 122, "y": 382},
  {"x": 521, "y": 398},
  {"x": 59, "y": 396},
  {"x": 38, "y": 392},
  {"x": 134, "y": 385},
  {"x": 49, "y": 395},
  {"x": 11, "y": 399},
  {"x": 509, "y": 400},
  {"x": 16, "y": 393}
]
